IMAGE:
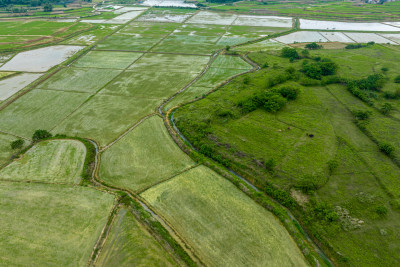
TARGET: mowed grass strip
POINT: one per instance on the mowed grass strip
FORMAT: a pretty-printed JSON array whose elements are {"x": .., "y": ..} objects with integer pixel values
[
  {"x": 171, "y": 63},
  {"x": 143, "y": 157},
  {"x": 223, "y": 225},
  {"x": 38, "y": 109},
  {"x": 88, "y": 80},
  {"x": 104, "y": 117},
  {"x": 49, "y": 161},
  {"x": 129, "y": 244},
  {"x": 107, "y": 60},
  {"x": 50, "y": 225}
]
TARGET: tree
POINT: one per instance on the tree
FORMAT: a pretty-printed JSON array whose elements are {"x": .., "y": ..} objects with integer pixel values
[
  {"x": 274, "y": 103},
  {"x": 397, "y": 79},
  {"x": 313, "y": 46},
  {"x": 17, "y": 144},
  {"x": 387, "y": 149},
  {"x": 305, "y": 53},
  {"x": 40, "y": 135},
  {"x": 386, "y": 108},
  {"x": 289, "y": 92},
  {"x": 47, "y": 7},
  {"x": 289, "y": 52}
]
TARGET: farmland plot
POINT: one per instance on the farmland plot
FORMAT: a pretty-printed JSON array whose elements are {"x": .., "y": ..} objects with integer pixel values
[
  {"x": 40, "y": 60},
  {"x": 368, "y": 37},
  {"x": 92, "y": 36},
  {"x": 48, "y": 161},
  {"x": 50, "y": 224},
  {"x": 394, "y": 37},
  {"x": 166, "y": 15},
  {"x": 222, "y": 224},
  {"x": 130, "y": 244},
  {"x": 105, "y": 117},
  {"x": 206, "y": 17},
  {"x": 12, "y": 85},
  {"x": 125, "y": 17},
  {"x": 346, "y": 26},
  {"x": 265, "y": 45},
  {"x": 301, "y": 37},
  {"x": 336, "y": 37},
  {"x": 144, "y": 156},
  {"x": 87, "y": 80},
  {"x": 107, "y": 60},
  {"x": 168, "y": 3},
  {"x": 264, "y": 21},
  {"x": 39, "y": 109}
]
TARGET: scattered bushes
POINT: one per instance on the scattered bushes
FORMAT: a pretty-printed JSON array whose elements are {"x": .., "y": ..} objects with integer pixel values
[
  {"x": 313, "y": 46},
  {"x": 40, "y": 135},
  {"x": 17, "y": 144},
  {"x": 270, "y": 164},
  {"x": 357, "y": 46}
]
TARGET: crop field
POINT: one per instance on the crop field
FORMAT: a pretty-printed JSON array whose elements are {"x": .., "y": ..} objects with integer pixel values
[
  {"x": 302, "y": 36},
  {"x": 345, "y": 26},
  {"x": 60, "y": 223},
  {"x": 216, "y": 219},
  {"x": 337, "y": 37},
  {"x": 129, "y": 244},
  {"x": 87, "y": 80},
  {"x": 205, "y": 17},
  {"x": 92, "y": 36},
  {"x": 133, "y": 162},
  {"x": 49, "y": 161},
  {"x": 263, "y": 21},
  {"x": 107, "y": 60},
  {"x": 40, "y": 60},
  {"x": 27, "y": 113},
  {"x": 368, "y": 37},
  {"x": 268, "y": 44},
  {"x": 12, "y": 85},
  {"x": 166, "y": 15}
]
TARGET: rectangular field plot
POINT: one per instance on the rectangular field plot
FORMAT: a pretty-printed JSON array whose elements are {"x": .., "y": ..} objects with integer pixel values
[
  {"x": 39, "y": 109},
  {"x": 130, "y": 244},
  {"x": 395, "y": 37},
  {"x": 128, "y": 42},
  {"x": 222, "y": 224},
  {"x": 170, "y": 63},
  {"x": 86, "y": 80},
  {"x": 265, "y": 45},
  {"x": 166, "y": 15},
  {"x": 50, "y": 224},
  {"x": 202, "y": 45},
  {"x": 107, "y": 60},
  {"x": 368, "y": 37},
  {"x": 264, "y": 21},
  {"x": 148, "y": 84},
  {"x": 206, "y": 17},
  {"x": 346, "y": 26},
  {"x": 301, "y": 37},
  {"x": 40, "y": 60},
  {"x": 31, "y": 27},
  {"x": 168, "y": 3},
  {"x": 48, "y": 161},
  {"x": 148, "y": 29},
  {"x": 215, "y": 76},
  {"x": 189, "y": 94},
  {"x": 231, "y": 62},
  {"x": 90, "y": 37},
  {"x": 125, "y": 17},
  {"x": 145, "y": 156},
  {"x": 12, "y": 85},
  {"x": 336, "y": 37},
  {"x": 104, "y": 117}
]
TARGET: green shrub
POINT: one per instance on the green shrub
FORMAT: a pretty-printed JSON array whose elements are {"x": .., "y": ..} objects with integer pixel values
[
  {"x": 381, "y": 210},
  {"x": 313, "y": 46},
  {"x": 384, "y": 69},
  {"x": 40, "y": 135},
  {"x": 274, "y": 102},
  {"x": 397, "y": 79},
  {"x": 289, "y": 52},
  {"x": 225, "y": 113},
  {"x": 308, "y": 183},
  {"x": 289, "y": 92},
  {"x": 361, "y": 114},
  {"x": 17, "y": 144},
  {"x": 332, "y": 165},
  {"x": 392, "y": 95},
  {"x": 387, "y": 149},
  {"x": 306, "y": 81},
  {"x": 386, "y": 108},
  {"x": 270, "y": 164}
]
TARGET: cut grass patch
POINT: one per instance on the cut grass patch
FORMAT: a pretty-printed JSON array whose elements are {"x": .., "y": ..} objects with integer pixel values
[
  {"x": 130, "y": 244},
  {"x": 223, "y": 225},
  {"x": 143, "y": 157},
  {"x": 50, "y": 224},
  {"x": 49, "y": 161}
]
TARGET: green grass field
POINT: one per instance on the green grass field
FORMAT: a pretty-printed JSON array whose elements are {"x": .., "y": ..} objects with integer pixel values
[
  {"x": 107, "y": 60},
  {"x": 86, "y": 80},
  {"x": 223, "y": 225},
  {"x": 39, "y": 109},
  {"x": 130, "y": 244},
  {"x": 91, "y": 36},
  {"x": 143, "y": 157},
  {"x": 5, "y": 147},
  {"x": 105, "y": 117},
  {"x": 49, "y": 161},
  {"x": 47, "y": 225}
]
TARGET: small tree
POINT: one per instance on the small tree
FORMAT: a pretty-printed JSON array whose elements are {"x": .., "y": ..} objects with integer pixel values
[
  {"x": 289, "y": 52},
  {"x": 305, "y": 53},
  {"x": 228, "y": 48},
  {"x": 313, "y": 46},
  {"x": 40, "y": 135},
  {"x": 386, "y": 108},
  {"x": 386, "y": 148},
  {"x": 381, "y": 210},
  {"x": 47, "y": 7},
  {"x": 397, "y": 79},
  {"x": 17, "y": 144}
]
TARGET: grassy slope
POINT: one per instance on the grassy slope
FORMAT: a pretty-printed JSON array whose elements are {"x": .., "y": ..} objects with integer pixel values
[
  {"x": 143, "y": 157},
  {"x": 5, "y": 147},
  {"x": 223, "y": 225},
  {"x": 365, "y": 178},
  {"x": 129, "y": 244},
  {"x": 49, "y": 161},
  {"x": 47, "y": 225}
]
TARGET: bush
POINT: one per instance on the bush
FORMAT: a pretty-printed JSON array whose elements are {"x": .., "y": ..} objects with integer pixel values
[
  {"x": 289, "y": 92},
  {"x": 313, "y": 46},
  {"x": 387, "y": 149},
  {"x": 40, "y": 135},
  {"x": 17, "y": 144},
  {"x": 274, "y": 102},
  {"x": 332, "y": 165},
  {"x": 289, "y": 52},
  {"x": 386, "y": 108},
  {"x": 318, "y": 69},
  {"x": 270, "y": 164},
  {"x": 397, "y": 79},
  {"x": 225, "y": 113},
  {"x": 305, "y": 53},
  {"x": 265, "y": 65},
  {"x": 392, "y": 95},
  {"x": 381, "y": 210},
  {"x": 384, "y": 69},
  {"x": 331, "y": 80},
  {"x": 306, "y": 81},
  {"x": 355, "y": 46},
  {"x": 361, "y": 115},
  {"x": 373, "y": 82},
  {"x": 308, "y": 184}
]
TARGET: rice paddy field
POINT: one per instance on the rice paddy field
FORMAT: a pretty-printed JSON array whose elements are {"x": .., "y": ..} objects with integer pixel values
[{"x": 115, "y": 186}]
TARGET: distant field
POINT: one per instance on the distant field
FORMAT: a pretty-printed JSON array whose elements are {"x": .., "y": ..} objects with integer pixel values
[
  {"x": 129, "y": 244},
  {"x": 49, "y": 161},
  {"x": 50, "y": 224},
  {"x": 143, "y": 157},
  {"x": 224, "y": 226}
]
